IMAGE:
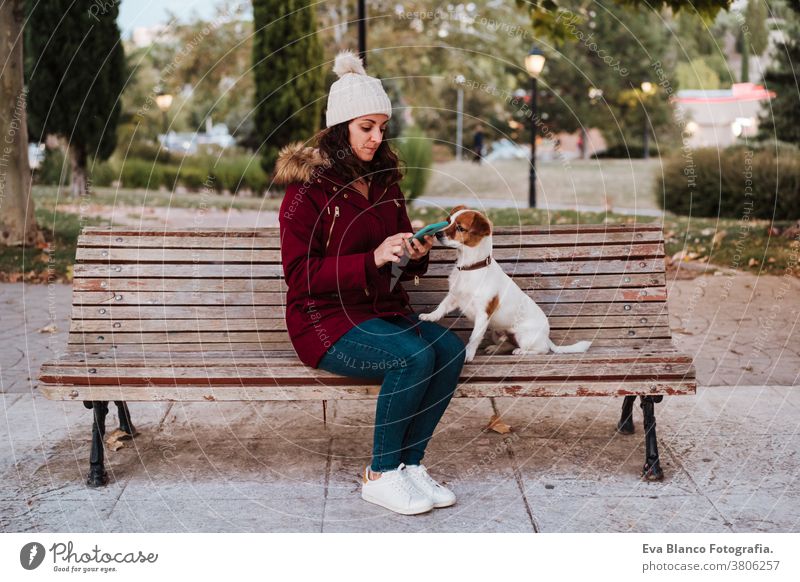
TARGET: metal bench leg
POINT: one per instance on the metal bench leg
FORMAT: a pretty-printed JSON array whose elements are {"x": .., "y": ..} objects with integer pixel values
[
  {"x": 125, "y": 424},
  {"x": 97, "y": 473},
  {"x": 625, "y": 424},
  {"x": 652, "y": 468}
]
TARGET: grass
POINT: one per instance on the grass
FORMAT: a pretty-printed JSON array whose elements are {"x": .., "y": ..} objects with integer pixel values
[{"x": 52, "y": 260}]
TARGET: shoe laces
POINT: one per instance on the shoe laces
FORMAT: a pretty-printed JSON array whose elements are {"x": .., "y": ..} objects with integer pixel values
[
  {"x": 422, "y": 472},
  {"x": 402, "y": 483}
]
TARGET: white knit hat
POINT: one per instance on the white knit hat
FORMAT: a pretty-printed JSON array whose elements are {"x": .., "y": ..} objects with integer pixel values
[{"x": 355, "y": 93}]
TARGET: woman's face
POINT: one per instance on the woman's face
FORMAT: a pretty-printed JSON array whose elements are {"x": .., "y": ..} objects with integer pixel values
[{"x": 366, "y": 134}]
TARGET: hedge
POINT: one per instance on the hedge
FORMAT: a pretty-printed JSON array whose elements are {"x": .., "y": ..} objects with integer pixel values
[{"x": 732, "y": 183}]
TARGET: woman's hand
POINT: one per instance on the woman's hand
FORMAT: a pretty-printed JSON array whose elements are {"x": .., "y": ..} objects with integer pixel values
[
  {"x": 394, "y": 246},
  {"x": 417, "y": 249}
]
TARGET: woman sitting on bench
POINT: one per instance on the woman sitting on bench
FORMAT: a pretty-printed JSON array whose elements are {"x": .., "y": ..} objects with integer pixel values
[{"x": 343, "y": 223}]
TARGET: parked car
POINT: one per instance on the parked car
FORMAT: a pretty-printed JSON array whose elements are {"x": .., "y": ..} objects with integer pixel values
[{"x": 505, "y": 149}]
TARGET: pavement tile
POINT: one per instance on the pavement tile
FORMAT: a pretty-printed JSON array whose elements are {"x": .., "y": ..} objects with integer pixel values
[
  {"x": 725, "y": 410},
  {"x": 247, "y": 469},
  {"x": 740, "y": 463},
  {"x": 590, "y": 466},
  {"x": 260, "y": 514},
  {"x": 52, "y": 516},
  {"x": 474, "y": 511},
  {"x": 651, "y": 514},
  {"x": 37, "y": 420},
  {"x": 761, "y": 511}
]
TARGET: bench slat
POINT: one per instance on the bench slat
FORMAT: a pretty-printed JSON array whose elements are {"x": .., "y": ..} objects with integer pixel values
[
  {"x": 274, "y": 231},
  {"x": 248, "y": 271},
  {"x": 223, "y": 335},
  {"x": 317, "y": 392},
  {"x": 277, "y": 300},
  {"x": 105, "y": 311},
  {"x": 216, "y": 285},
  {"x": 185, "y": 314},
  {"x": 288, "y": 358},
  {"x": 438, "y": 254},
  {"x": 232, "y": 350},
  {"x": 260, "y": 241}
]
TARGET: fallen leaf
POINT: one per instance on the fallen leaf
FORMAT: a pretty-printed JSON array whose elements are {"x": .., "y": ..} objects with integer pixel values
[
  {"x": 114, "y": 441},
  {"x": 679, "y": 256},
  {"x": 682, "y": 331},
  {"x": 718, "y": 237},
  {"x": 498, "y": 425},
  {"x": 752, "y": 262},
  {"x": 49, "y": 328}
]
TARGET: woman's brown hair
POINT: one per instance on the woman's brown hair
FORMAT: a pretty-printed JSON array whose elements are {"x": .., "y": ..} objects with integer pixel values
[{"x": 334, "y": 143}]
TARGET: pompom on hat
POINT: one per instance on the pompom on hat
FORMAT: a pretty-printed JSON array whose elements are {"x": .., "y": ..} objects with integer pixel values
[{"x": 354, "y": 93}]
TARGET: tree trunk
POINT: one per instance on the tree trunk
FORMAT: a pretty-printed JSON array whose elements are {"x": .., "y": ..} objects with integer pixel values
[
  {"x": 17, "y": 221},
  {"x": 77, "y": 156},
  {"x": 584, "y": 142},
  {"x": 745, "y": 77}
]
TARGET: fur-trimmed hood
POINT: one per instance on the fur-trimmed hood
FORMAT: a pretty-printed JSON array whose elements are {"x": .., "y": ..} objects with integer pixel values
[{"x": 298, "y": 162}]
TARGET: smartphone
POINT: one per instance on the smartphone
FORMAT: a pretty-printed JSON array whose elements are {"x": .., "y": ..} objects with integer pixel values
[{"x": 430, "y": 229}]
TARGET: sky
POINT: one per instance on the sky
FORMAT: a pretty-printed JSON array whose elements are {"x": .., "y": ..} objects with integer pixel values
[{"x": 147, "y": 13}]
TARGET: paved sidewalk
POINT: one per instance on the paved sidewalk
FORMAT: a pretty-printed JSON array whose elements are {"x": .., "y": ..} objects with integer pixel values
[{"x": 731, "y": 453}]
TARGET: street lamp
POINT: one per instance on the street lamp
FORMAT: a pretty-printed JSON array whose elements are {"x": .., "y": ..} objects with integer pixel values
[
  {"x": 534, "y": 63},
  {"x": 459, "y": 116},
  {"x": 647, "y": 89},
  {"x": 595, "y": 95},
  {"x": 164, "y": 102},
  {"x": 362, "y": 31}
]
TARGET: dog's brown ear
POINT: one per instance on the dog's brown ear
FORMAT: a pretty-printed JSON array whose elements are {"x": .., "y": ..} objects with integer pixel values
[
  {"x": 481, "y": 225},
  {"x": 456, "y": 209}
]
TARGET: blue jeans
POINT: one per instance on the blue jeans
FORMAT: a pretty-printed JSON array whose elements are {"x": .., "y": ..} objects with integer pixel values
[{"x": 419, "y": 372}]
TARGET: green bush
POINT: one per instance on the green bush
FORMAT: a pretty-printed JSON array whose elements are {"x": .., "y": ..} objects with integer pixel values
[
  {"x": 54, "y": 168},
  {"x": 416, "y": 154},
  {"x": 142, "y": 174},
  {"x": 733, "y": 183},
  {"x": 151, "y": 152},
  {"x": 187, "y": 175},
  {"x": 625, "y": 151},
  {"x": 102, "y": 173},
  {"x": 236, "y": 173}
]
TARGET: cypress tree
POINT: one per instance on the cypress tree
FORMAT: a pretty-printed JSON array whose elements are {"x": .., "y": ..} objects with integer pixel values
[
  {"x": 77, "y": 74},
  {"x": 289, "y": 75},
  {"x": 781, "y": 118}
]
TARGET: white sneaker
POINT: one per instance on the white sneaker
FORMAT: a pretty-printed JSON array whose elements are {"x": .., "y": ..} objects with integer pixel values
[
  {"x": 441, "y": 495},
  {"x": 394, "y": 490}
]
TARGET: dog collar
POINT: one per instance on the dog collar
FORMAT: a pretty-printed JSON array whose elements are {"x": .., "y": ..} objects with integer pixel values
[{"x": 479, "y": 265}]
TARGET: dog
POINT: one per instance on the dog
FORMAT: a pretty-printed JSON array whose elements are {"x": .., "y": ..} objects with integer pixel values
[{"x": 489, "y": 297}]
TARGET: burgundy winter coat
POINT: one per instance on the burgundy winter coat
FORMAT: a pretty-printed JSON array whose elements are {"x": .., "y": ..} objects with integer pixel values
[{"x": 329, "y": 232}]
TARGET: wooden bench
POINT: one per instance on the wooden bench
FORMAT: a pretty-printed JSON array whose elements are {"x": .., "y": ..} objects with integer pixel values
[{"x": 197, "y": 315}]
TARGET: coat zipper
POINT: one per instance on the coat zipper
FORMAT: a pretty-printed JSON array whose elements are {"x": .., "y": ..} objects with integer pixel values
[{"x": 330, "y": 232}]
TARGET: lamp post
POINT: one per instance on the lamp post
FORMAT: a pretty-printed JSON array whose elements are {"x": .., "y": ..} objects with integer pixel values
[
  {"x": 460, "y": 116},
  {"x": 595, "y": 95},
  {"x": 534, "y": 63},
  {"x": 362, "y": 31},
  {"x": 647, "y": 89}
]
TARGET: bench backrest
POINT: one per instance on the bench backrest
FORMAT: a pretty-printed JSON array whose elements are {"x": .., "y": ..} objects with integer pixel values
[{"x": 222, "y": 289}]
